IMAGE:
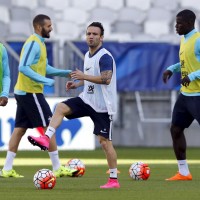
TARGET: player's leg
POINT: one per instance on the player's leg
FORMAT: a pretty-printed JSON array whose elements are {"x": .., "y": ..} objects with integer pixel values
[
  {"x": 111, "y": 157},
  {"x": 179, "y": 146},
  {"x": 110, "y": 153},
  {"x": 70, "y": 108},
  {"x": 181, "y": 119},
  {"x": 45, "y": 142},
  {"x": 179, "y": 142},
  {"x": 15, "y": 139},
  {"x": 103, "y": 129},
  {"x": 49, "y": 140},
  {"x": 39, "y": 117},
  {"x": 21, "y": 125},
  {"x": 61, "y": 111}
]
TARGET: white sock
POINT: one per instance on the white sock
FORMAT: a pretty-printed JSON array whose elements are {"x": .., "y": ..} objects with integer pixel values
[
  {"x": 183, "y": 167},
  {"x": 50, "y": 131},
  {"x": 54, "y": 159},
  {"x": 113, "y": 173},
  {"x": 9, "y": 160}
]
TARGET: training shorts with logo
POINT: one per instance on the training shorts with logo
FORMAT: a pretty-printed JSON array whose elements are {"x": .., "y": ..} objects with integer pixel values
[{"x": 102, "y": 121}]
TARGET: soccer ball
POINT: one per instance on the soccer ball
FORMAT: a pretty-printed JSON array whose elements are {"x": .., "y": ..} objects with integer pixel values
[
  {"x": 139, "y": 171},
  {"x": 76, "y": 163},
  {"x": 44, "y": 179}
]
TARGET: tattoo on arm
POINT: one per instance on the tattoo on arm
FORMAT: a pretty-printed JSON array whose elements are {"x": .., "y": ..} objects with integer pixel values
[{"x": 106, "y": 76}]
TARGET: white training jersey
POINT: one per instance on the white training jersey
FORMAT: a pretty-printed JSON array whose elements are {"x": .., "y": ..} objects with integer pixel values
[{"x": 101, "y": 97}]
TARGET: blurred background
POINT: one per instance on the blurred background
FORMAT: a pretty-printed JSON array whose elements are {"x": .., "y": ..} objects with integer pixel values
[{"x": 139, "y": 33}]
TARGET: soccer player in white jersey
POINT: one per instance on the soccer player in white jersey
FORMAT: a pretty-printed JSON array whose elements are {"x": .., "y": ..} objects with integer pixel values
[{"x": 98, "y": 99}]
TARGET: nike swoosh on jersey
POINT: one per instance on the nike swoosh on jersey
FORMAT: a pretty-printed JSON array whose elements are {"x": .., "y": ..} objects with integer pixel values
[{"x": 87, "y": 69}]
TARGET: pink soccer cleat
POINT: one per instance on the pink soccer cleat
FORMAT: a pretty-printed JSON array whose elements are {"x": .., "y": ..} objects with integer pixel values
[
  {"x": 42, "y": 142},
  {"x": 112, "y": 183}
]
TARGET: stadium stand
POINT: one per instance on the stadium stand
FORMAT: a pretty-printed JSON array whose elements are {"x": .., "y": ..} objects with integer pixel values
[
  {"x": 6, "y": 3},
  {"x": 172, "y": 6},
  {"x": 4, "y": 14},
  {"x": 127, "y": 27},
  {"x": 113, "y": 5},
  {"x": 21, "y": 14},
  {"x": 84, "y": 5},
  {"x": 66, "y": 31},
  {"x": 145, "y": 15},
  {"x": 141, "y": 5},
  {"x": 103, "y": 15},
  {"x": 60, "y": 5},
  {"x": 44, "y": 10},
  {"x": 72, "y": 14},
  {"x": 24, "y": 3},
  {"x": 4, "y": 27},
  {"x": 156, "y": 28},
  {"x": 192, "y": 4},
  {"x": 19, "y": 30},
  {"x": 132, "y": 14}
]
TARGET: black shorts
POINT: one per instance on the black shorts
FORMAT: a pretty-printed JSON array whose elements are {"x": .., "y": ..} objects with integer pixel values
[
  {"x": 32, "y": 111},
  {"x": 102, "y": 121},
  {"x": 186, "y": 109}
]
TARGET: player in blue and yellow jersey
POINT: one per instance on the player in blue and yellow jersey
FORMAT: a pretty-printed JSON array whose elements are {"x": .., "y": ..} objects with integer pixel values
[
  {"x": 32, "y": 108},
  {"x": 187, "y": 107},
  {"x": 4, "y": 76}
]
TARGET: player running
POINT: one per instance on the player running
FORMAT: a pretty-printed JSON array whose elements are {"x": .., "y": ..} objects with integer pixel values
[{"x": 32, "y": 108}]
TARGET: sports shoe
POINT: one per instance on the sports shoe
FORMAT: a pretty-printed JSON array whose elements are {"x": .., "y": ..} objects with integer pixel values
[
  {"x": 42, "y": 142},
  {"x": 112, "y": 183},
  {"x": 9, "y": 174},
  {"x": 108, "y": 172},
  {"x": 179, "y": 177},
  {"x": 64, "y": 171}
]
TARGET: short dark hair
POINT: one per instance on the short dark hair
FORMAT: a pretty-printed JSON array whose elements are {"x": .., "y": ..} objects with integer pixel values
[
  {"x": 99, "y": 25},
  {"x": 187, "y": 15},
  {"x": 39, "y": 19}
]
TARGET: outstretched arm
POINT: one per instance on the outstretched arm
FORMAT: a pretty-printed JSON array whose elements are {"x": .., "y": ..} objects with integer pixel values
[
  {"x": 27, "y": 71},
  {"x": 31, "y": 56},
  {"x": 52, "y": 71},
  {"x": 73, "y": 85},
  {"x": 106, "y": 71},
  {"x": 103, "y": 79}
]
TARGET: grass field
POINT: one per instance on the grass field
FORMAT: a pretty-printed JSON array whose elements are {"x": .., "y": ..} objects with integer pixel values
[{"x": 160, "y": 160}]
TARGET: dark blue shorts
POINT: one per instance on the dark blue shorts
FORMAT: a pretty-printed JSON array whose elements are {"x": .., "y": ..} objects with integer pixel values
[
  {"x": 102, "y": 121},
  {"x": 186, "y": 109},
  {"x": 32, "y": 111}
]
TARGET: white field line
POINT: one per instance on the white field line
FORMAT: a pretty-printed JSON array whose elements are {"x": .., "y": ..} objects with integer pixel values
[{"x": 46, "y": 161}]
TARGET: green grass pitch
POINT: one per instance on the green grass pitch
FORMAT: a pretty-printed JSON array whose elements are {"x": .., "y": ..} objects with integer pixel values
[{"x": 161, "y": 161}]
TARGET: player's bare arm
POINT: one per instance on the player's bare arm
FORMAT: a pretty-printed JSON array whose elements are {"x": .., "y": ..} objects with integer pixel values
[
  {"x": 73, "y": 85},
  {"x": 106, "y": 77}
]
